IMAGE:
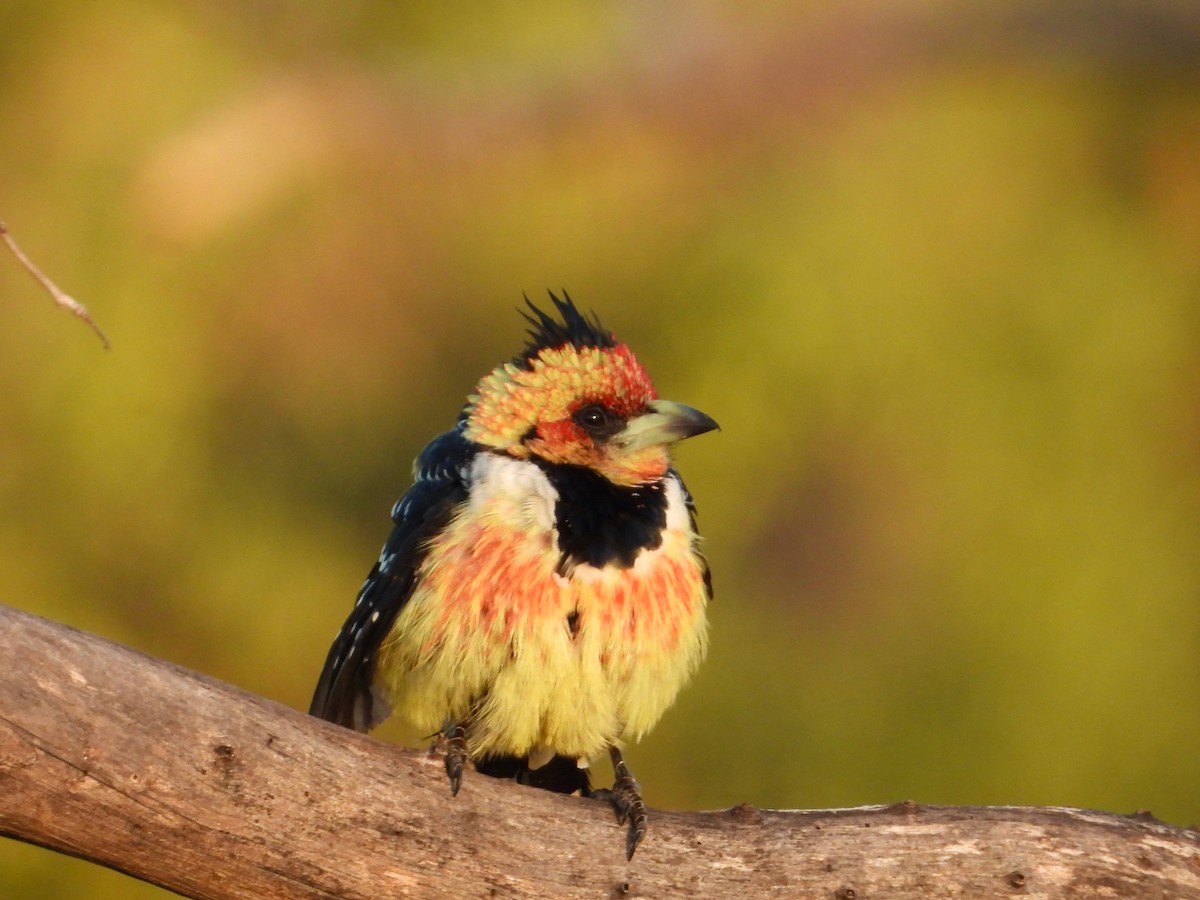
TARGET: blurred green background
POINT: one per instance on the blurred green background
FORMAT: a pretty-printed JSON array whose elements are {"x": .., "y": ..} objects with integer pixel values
[{"x": 935, "y": 267}]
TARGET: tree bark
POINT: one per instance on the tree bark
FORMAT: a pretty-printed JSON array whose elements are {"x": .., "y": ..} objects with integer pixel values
[{"x": 196, "y": 786}]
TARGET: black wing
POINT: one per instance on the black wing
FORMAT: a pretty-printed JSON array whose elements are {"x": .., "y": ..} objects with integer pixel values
[{"x": 343, "y": 693}]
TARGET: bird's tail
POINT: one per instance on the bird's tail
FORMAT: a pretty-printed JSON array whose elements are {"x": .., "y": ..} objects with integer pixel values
[{"x": 561, "y": 774}]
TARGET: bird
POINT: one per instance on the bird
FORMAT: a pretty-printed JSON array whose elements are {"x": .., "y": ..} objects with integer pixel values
[{"x": 542, "y": 597}]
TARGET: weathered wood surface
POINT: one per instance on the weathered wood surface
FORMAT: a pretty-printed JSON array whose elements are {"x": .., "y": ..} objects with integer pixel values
[{"x": 194, "y": 785}]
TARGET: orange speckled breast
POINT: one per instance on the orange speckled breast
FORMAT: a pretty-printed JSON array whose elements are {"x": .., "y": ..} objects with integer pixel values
[{"x": 528, "y": 659}]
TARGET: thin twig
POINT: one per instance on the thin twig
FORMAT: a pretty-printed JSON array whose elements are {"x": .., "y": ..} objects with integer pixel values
[{"x": 60, "y": 297}]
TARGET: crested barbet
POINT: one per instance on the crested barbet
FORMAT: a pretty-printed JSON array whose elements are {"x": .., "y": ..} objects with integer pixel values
[{"x": 541, "y": 599}]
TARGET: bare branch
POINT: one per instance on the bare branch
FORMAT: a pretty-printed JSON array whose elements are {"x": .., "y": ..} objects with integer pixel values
[
  {"x": 60, "y": 297},
  {"x": 177, "y": 779}
]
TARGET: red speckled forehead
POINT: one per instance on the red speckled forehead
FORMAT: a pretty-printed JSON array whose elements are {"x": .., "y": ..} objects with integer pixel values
[{"x": 559, "y": 380}]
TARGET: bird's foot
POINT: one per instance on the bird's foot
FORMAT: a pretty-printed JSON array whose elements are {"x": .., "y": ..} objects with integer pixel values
[
  {"x": 626, "y": 800},
  {"x": 453, "y": 742}
]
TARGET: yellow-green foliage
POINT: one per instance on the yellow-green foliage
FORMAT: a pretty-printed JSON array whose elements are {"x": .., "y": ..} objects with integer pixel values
[{"x": 937, "y": 275}]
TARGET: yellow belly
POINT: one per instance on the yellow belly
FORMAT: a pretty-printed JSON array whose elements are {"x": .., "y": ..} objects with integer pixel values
[{"x": 534, "y": 661}]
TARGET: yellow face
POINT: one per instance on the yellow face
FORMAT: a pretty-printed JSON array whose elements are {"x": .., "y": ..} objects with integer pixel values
[{"x": 566, "y": 405}]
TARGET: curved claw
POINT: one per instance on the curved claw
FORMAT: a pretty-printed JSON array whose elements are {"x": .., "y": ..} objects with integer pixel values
[
  {"x": 626, "y": 798},
  {"x": 456, "y": 756}
]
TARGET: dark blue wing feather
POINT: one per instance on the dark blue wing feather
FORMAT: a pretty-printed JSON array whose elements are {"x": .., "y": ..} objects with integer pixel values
[{"x": 343, "y": 693}]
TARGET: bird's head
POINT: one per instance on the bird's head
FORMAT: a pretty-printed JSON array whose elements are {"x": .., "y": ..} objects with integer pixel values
[{"x": 577, "y": 396}]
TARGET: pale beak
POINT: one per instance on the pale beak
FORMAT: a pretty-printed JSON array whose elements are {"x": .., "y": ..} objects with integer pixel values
[{"x": 665, "y": 423}]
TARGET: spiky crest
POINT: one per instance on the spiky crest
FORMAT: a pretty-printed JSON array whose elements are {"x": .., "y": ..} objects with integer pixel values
[{"x": 576, "y": 329}]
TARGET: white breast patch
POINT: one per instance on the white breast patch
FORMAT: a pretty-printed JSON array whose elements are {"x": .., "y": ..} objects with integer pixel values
[{"x": 514, "y": 491}]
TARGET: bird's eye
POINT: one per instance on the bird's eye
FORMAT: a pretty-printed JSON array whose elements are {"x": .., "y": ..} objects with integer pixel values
[
  {"x": 590, "y": 416},
  {"x": 597, "y": 420}
]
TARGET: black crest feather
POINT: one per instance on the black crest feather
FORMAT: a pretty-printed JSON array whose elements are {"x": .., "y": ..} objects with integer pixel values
[{"x": 576, "y": 329}]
